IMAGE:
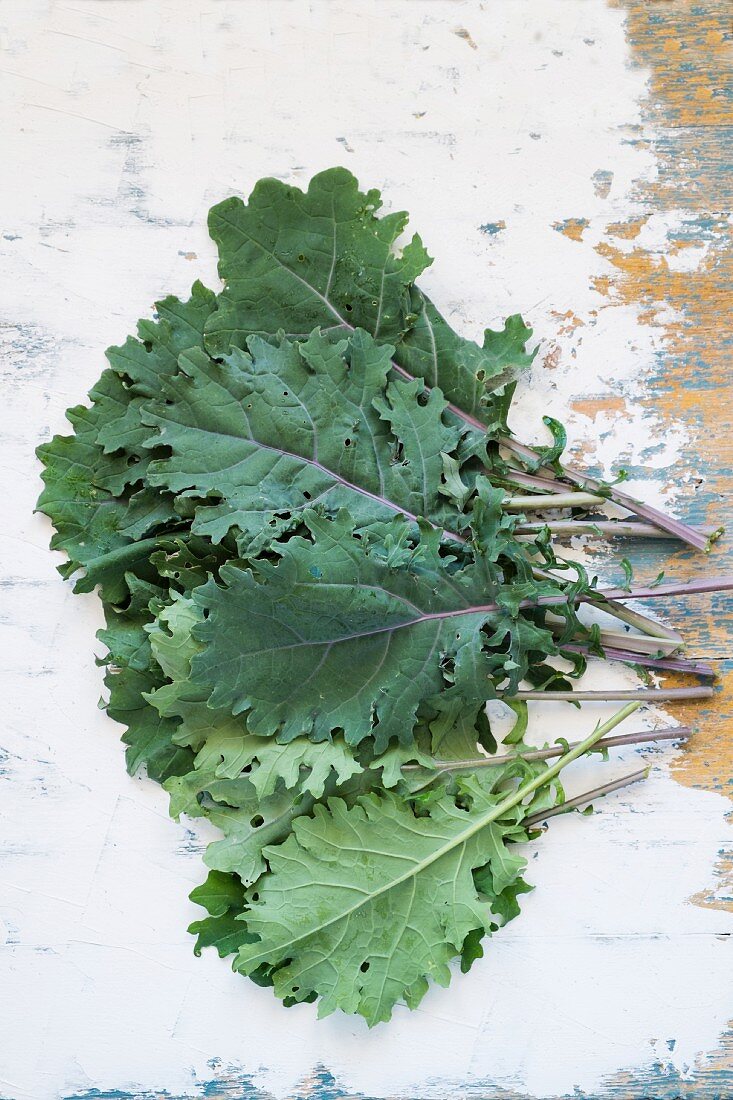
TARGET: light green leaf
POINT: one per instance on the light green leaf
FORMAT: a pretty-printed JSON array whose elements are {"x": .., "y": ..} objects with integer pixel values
[
  {"x": 171, "y": 642},
  {"x": 300, "y": 764},
  {"x": 453, "y": 487},
  {"x": 363, "y": 904},
  {"x": 249, "y": 828}
]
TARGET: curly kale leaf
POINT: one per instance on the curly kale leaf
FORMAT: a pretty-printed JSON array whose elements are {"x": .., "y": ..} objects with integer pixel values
[
  {"x": 280, "y": 429},
  {"x": 294, "y": 260},
  {"x": 341, "y": 635},
  {"x": 364, "y": 904},
  {"x": 108, "y": 520}
]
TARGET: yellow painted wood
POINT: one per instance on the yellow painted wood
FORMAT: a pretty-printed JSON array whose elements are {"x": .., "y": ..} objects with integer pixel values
[{"x": 687, "y": 50}]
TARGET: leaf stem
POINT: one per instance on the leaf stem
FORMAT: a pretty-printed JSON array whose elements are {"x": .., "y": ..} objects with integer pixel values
[
  {"x": 658, "y": 695},
  {"x": 619, "y": 611},
  {"x": 617, "y": 639},
  {"x": 546, "y": 777},
  {"x": 632, "y": 657},
  {"x": 530, "y": 481},
  {"x": 673, "y": 733},
  {"x": 588, "y": 796},
  {"x": 675, "y": 527},
  {"x": 648, "y": 626},
  {"x": 612, "y": 528},
  {"x": 673, "y": 588},
  {"x": 642, "y": 643},
  {"x": 560, "y": 500}
]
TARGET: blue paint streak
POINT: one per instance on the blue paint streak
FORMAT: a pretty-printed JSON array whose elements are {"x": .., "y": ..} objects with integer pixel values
[
  {"x": 658, "y": 1081},
  {"x": 229, "y": 1085}
]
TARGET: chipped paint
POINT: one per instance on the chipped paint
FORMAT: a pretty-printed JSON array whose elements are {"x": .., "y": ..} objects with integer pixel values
[
  {"x": 679, "y": 269},
  {"x": 602, "y": 182},
  {"x": 461, "y": 32},
  {"x": 492, "y": 228},
  {"x": 572, "y": 228}
]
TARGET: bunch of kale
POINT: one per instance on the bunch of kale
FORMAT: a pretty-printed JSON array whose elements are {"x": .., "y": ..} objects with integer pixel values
[{"x": 306, "y": 517}]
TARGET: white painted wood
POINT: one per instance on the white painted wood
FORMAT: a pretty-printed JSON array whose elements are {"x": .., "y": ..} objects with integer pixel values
[{"x": 121, "y": 123}]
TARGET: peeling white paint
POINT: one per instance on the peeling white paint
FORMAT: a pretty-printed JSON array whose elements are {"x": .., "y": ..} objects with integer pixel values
[{"x": 125, "y": 121}]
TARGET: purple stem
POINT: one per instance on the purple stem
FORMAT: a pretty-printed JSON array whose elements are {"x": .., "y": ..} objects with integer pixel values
[
  {"x": 675, "y": 527},
  {"x": 588, "y": 796},
  {"x": 713, "y": 584},
  {"x": 670, "y": 664},
  {"x": 672, "y": 588},
  {"x": 671, "y": 733}
]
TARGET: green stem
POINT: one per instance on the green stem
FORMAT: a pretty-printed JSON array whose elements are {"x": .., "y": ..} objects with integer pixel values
[
  {"x": 621, "y": 639},
  {"x": 556, "y": 500},
  {"x": 642, "y": 643},
  {"x": 546, "y": 777},
  {"x": 619, "y": 611},
  {"x": 612, "y": 528},
  {"x": 641, "y": 622},
  {"x": 657, "y": 695}
]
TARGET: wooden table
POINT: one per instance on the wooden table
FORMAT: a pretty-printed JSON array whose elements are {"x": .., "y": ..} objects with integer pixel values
[{"x": 565, "y": 159}]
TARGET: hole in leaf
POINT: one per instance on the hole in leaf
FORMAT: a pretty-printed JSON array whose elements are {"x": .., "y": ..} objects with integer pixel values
[
  {"x": 301, "y": 257},
  {"x": 348, "y": 307},
  {"x": 306, "y": 494},
  {"x": 480, "y": 375},
  {"x": 364, "y": 967},
  {"x": 347, "y": 443},
  {"x": 257, "y": 820}
]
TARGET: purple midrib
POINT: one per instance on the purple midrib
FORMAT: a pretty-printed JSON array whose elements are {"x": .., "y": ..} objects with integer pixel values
[
  {"x": 332, "y": 476},
  {"x": 713, "y": 584},
  {"x": 681, "y": 530}
]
